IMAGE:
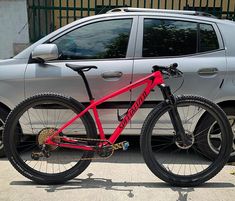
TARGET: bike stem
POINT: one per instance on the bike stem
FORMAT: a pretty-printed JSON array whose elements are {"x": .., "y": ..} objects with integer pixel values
[{"x": 173, "y": 113}]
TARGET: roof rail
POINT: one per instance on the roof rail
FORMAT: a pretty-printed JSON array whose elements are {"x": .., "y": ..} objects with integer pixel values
[{"x": 166, "y": 11}]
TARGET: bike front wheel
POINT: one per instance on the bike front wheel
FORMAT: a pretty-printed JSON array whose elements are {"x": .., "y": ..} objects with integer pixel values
[
  {"x": 165, "y": 154},
  {"x": 31, "y": 123}
]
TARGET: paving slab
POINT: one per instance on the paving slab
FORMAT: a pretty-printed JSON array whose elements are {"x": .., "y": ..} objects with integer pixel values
[{"x": 122, "y": 177}]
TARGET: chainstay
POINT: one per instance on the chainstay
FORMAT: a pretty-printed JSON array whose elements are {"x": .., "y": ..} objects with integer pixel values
[
  {"x": 112, "y": 146},
  {"x": 94, "y": 140}
]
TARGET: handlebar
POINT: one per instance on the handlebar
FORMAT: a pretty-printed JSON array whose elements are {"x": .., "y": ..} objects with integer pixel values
[{"x": 170, "y": 71}]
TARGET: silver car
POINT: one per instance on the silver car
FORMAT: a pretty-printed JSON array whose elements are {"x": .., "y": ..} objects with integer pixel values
[{"x": 124, "y": 44}]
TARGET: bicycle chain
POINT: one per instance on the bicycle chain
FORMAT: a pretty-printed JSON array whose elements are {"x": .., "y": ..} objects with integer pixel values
[
  {"x": 113, "y": 146},
  {"x": 121, "y": 145}
]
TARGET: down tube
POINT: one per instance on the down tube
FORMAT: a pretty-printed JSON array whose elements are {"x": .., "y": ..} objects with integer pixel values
[{"x": 130, "y": 113}]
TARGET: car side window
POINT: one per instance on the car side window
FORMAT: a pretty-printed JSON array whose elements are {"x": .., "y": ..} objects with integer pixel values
[
  {"x": 208, "y": 39},
  {"x": 169, "y": 38},
  {"x": 99, "y": 40}
]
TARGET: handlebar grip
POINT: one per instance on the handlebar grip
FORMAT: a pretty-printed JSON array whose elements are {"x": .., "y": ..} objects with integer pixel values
[
  {"x": 159, "y": 68},
  {"x": 171, "y": 70}
]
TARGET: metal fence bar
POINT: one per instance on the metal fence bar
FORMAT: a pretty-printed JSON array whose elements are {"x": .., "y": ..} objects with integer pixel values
[
  {"x": 45, "y": 12},
  {"x": 234, "y": 13},
  {"x": 67, "y": 12},
  {"x": 179, "y": 4},
  {"x": 228, "y": 6},
  {"x": 214, "y": 11},
  {"x": 39, "y": 18},
  {"x": 186, "y": 4},
  {"x": 221, "y": 6},
  {"x": 207, "y": 4},
  {"x": 53, "y": 15},
  {"x": 60, "y": 13},
  {"x": 34, "y": 25},
  {"x": 81, "y": 8},
  {"x": 151, "y": 4},
  {"x": 89, "y": 6},
  {"x": 200, "y": 5},
  {"x": 74, "y": 10},
  {"x": 159, "y": 4}
]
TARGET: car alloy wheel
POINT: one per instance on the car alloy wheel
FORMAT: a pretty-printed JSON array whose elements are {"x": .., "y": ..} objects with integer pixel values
[{"x": 214, "y": 136}]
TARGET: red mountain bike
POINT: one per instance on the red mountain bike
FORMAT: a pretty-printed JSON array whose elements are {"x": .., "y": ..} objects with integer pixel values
[{"x": 50, "y": 138}]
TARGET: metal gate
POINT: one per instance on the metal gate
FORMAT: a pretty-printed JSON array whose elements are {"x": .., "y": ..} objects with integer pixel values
[{"x": 46, "y": 16}]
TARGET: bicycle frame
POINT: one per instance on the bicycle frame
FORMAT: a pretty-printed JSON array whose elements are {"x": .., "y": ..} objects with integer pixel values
[{"x": 151, "y": 81}]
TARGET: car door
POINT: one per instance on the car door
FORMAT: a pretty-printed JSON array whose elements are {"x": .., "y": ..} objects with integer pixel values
[
  {"x": 106, "y": 43},
  {"x": 196, "y": 46}
]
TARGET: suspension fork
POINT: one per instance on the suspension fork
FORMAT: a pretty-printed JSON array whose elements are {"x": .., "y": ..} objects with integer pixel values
[{"x": 174, "y": 114}]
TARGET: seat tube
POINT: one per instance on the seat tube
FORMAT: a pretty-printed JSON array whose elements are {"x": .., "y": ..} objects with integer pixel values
[{"x": 98, "y": 122}]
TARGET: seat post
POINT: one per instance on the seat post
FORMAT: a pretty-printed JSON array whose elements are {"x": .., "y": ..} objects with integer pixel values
[{"x": 88, "y": 89}]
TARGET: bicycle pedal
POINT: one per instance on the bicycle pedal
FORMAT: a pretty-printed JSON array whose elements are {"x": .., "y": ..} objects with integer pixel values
[
  {"x": 121, "y": 145},
  {"x": 125, "y": 145}
]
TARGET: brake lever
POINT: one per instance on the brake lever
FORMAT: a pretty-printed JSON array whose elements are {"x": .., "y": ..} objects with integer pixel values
[
  {"x": 181, "y": 73},
  {"x": 175, "y": 72},
  {"x": 166, "y": 73}
]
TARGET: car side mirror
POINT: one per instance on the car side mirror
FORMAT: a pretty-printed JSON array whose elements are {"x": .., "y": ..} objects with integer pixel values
[{"x": 45, "y": 52}]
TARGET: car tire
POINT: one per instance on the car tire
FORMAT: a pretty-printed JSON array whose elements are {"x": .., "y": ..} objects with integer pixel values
[
  {"x": 3, "y": 116},
  {"x": 211, "y": 136}
]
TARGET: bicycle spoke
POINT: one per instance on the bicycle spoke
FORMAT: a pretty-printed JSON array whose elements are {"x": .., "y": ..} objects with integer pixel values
[{"x": 177, "y": 158}]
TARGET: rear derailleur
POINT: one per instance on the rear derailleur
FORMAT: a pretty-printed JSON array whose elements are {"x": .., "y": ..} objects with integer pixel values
[{"x": 45, "y": 152}]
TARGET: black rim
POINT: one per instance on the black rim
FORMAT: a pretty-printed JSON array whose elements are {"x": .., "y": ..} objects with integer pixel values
[
  {"x": 60, "y": 160},
  {"x": 167, "y": 150}
]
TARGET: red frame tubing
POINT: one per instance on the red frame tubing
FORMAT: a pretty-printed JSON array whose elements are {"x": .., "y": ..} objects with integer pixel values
[{"x": 151, "y": 80}]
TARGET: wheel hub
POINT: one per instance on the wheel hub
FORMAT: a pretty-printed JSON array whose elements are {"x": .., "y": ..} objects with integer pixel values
[{"x": 190, "y": 141}]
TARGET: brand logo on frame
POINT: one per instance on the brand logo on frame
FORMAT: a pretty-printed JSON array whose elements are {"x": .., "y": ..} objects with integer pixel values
[{"x": 132, "y": 110}]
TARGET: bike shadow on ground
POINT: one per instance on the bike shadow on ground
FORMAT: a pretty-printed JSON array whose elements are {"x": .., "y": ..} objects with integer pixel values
[{"x": 129, "y": 188}]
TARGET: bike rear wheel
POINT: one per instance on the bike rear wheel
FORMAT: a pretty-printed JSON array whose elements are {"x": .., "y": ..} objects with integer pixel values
[
  {"x": 35, "y": 119},
  {"x": 165, "y": 154}
]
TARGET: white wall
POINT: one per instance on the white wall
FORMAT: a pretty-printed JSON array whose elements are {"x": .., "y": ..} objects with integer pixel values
[{"x": 13, "y": 17}]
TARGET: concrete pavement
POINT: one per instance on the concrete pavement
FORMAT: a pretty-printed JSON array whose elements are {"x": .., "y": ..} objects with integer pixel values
[{"x": 122, "y": 177}]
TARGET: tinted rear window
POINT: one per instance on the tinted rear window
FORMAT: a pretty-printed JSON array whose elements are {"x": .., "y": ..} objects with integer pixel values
[
  {"x": 169, "y": 38},
  {"x": 208, "y": 39},
  {"x": 163, "y": 37}
]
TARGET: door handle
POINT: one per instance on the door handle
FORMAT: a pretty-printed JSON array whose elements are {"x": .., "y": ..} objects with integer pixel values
[
  {"x": 112, "y": 75},
  {"x": 207, "y": 71}
]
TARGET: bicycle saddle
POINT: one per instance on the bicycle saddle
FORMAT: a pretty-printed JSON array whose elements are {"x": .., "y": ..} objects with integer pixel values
[{"x": 79, "y": 68}]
